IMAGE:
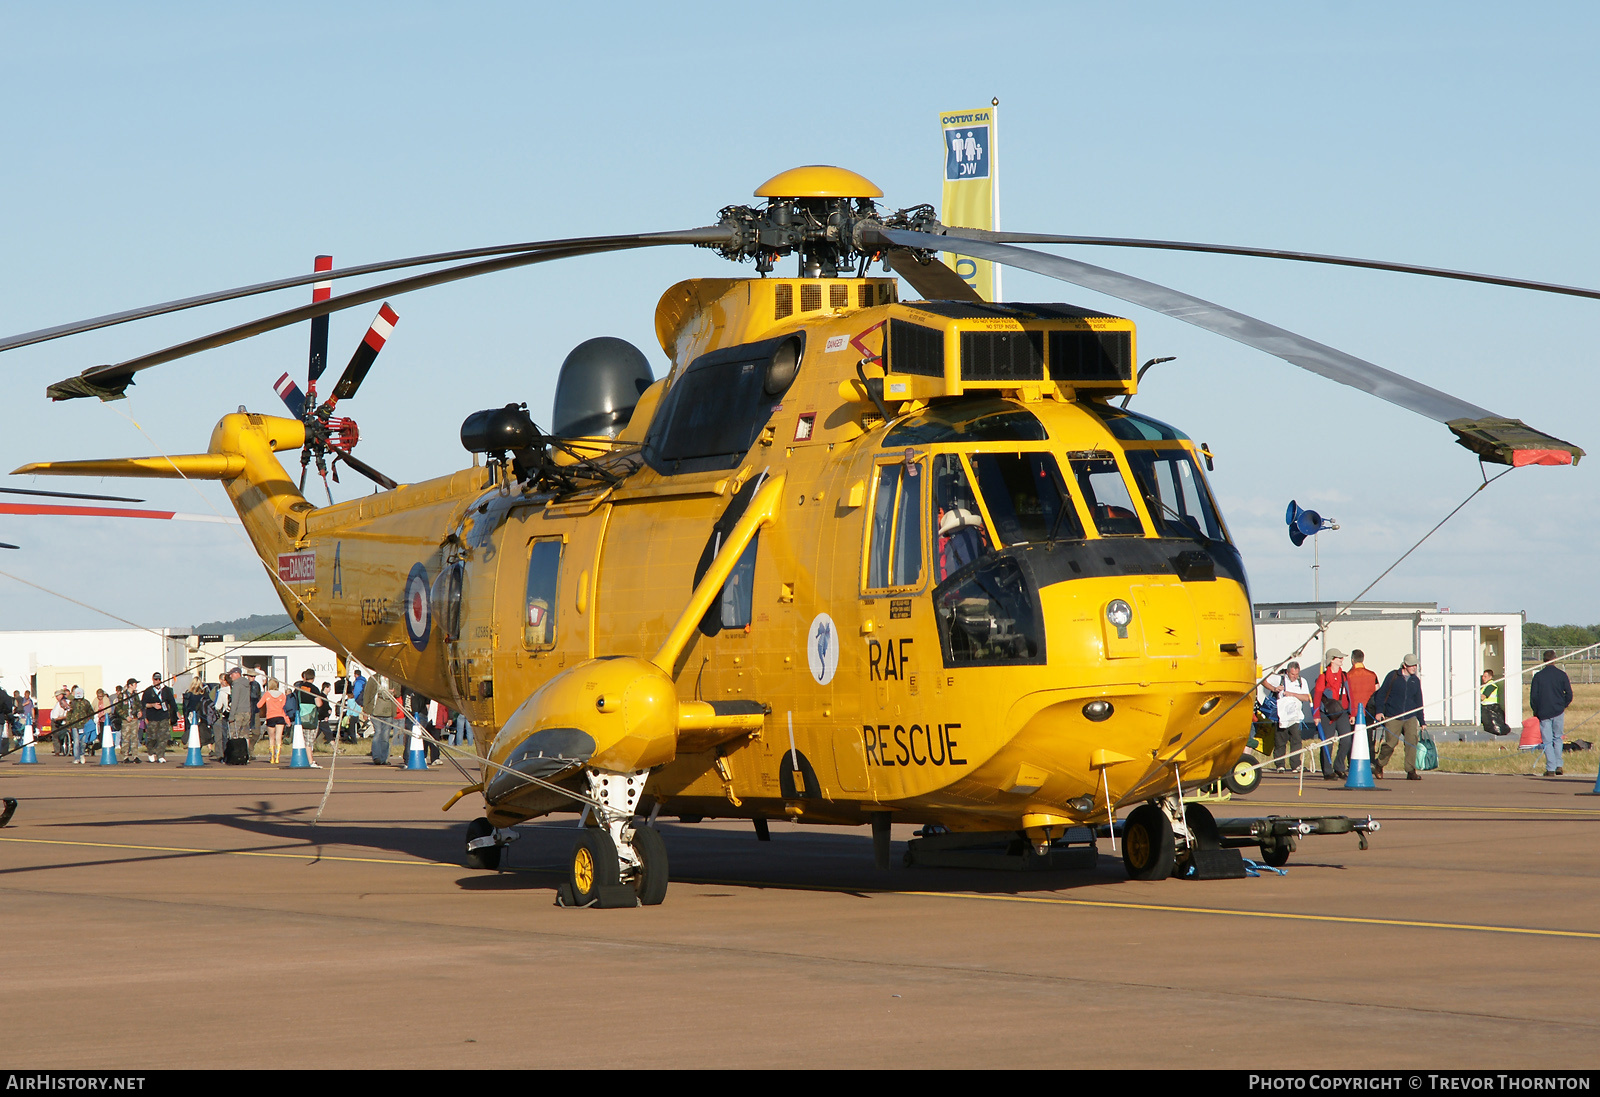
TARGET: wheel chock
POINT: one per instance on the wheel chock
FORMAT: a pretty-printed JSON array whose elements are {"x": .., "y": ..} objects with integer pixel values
[
  {"x": 1216, "y": 864},
  {"x": 9, "y": 810},
  {"x": 607, "y": 896},
  {"x": 616, "y": 895}
]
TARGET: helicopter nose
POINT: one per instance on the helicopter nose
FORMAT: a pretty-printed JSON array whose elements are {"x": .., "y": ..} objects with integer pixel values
[{"x": 1149, "y": 677}]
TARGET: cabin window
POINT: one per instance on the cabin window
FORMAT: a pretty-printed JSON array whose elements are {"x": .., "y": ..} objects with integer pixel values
[
  {"x": 714, "y": 410},
  {"x": 737, "y": 603},
  {"x": 1026, "y": 497},
  {"x": 733, "y": 606},
  {"x": 446, "y": 599},
  {"x": 544, "y": 577},
  {"x": 1175, "y": 494},
  {"x": 894, "y": 551},
  {"x": 1106, "y": 493}
]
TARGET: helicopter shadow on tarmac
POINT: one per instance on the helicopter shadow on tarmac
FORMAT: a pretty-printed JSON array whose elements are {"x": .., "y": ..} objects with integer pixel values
[
  {"x": 795, "y": 859},
  {"x": 289, "y": 830}
]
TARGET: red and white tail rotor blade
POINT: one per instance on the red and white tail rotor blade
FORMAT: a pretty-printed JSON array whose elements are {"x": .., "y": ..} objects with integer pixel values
[
  {"x": 320, "y": 291},
  {"x": 361, "y": 361},
  {"x": 291, "y": 395}
]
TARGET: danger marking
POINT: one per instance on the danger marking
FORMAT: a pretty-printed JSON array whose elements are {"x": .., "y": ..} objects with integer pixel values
[{"x": 297, "y": 567}]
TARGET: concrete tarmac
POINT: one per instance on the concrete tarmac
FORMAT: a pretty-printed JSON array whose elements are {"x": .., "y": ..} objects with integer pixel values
[{"x": 163, "y": 917}]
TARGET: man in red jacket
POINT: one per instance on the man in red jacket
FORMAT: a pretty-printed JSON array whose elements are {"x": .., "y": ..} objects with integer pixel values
[
  {"x": 1363, "y": 684},
  {"x": 1330, "y": 699}
]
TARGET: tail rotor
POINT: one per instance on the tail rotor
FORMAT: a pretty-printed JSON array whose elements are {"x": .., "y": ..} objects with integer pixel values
[{"x": 330, "y": 438}]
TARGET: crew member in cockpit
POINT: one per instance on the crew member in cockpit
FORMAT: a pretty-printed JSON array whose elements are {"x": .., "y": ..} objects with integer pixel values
[{"x": 959, "y": 534}]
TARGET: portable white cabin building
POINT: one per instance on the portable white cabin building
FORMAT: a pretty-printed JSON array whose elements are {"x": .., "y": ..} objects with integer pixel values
[
  {"x": 284, "y": 660},
  {"x": 45, "y": 660},
  {"x": 105, "y": 658}
]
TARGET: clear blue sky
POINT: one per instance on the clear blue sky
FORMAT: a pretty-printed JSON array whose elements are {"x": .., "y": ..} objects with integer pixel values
[{"x": 154, "y": 151}]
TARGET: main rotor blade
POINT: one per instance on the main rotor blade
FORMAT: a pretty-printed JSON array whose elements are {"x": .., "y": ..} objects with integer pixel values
[
  {"x": 110, "y": 382},
  {"x": 1492, "y": 437},
  {"x": 70, "y": 495},
  {"x": 1272, "y": 253},
  {"x": 1319, "y": 358},
  {"x": 60, "y": 331},
  {"x": 61, "y": 510},
  {"x": 933, "y": 279},
  {"x": 367, "y": 470}
]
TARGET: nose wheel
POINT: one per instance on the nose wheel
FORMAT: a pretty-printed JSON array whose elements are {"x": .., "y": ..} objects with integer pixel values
[
  {"x": 1148, "y": 847},
  {"x": 595, "y": 870},
  {"x": 617, "y": 861}
]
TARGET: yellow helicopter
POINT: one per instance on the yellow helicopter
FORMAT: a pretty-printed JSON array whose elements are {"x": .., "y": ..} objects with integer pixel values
[{"x": 854, "y": 560}]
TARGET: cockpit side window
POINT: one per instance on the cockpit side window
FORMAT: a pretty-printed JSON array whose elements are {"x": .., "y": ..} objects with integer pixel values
[
  {"x": 894, "y": 549},
  {"x": 1106, "y": 493},
  {"x": 1175, "y": 494},
  {"x": 959, "y": 535},
  {"x": 1026, "y": 497}
]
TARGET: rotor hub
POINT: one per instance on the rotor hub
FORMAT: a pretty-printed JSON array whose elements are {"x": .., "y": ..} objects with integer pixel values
[{"x": 824, "y": 214}]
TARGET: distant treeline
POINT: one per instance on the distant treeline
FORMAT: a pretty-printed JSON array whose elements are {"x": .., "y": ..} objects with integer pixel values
[
  {"x": 262, "y": 626},
  {"x": 1535, "y": 635}
]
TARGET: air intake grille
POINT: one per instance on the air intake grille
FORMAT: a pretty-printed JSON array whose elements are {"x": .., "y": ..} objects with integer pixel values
[
  {"x": 782, "y": 301},
  {"x": 1002, "y": 356},
  {"x": 838, "y": 297},
  {"x": 1091, "y": 356},
  {"x": 865, "y": 296},
  {"x": 810, "y": 297},
  {"x": 915, "y": 349},
  {"x": 291, "y": 528}
]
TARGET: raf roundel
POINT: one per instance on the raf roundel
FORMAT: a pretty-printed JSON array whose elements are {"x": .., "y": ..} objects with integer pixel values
[
  {"x": 418, "y": 620},
  {"x": 822, "y": 648}
]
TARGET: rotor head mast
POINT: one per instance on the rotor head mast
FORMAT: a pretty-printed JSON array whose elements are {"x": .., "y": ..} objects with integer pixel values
[{"x": 822, "y": 214}]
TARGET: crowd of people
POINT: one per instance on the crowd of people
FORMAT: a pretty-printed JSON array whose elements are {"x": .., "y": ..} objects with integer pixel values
[
  {"x": 1393, "y": 710},
  {"x": 245, "y": 706}
]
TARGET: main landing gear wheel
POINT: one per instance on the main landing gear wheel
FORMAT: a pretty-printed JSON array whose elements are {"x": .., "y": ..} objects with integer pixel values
[
  {"x": 1147, "y": 844},
  {"x": 485, "y": 856},
  {"x": 650, "y": 879},
  {"x": 594, "y": 865},
  {"x": 1245, "y": 777}
]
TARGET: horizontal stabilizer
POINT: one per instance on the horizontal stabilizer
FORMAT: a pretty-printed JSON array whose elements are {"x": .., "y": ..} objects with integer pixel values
[{"x": 188, "y": 466}]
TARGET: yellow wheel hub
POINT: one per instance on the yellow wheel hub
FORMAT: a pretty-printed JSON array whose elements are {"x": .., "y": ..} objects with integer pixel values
[
  {"x": 1138, "y": 841},
  {"x": 583, "y": 870}
]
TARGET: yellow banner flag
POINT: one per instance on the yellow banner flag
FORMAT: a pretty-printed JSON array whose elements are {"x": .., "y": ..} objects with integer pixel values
[{"x": 970, "y": 184}]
